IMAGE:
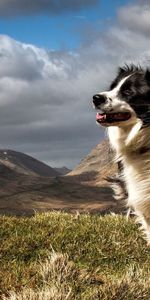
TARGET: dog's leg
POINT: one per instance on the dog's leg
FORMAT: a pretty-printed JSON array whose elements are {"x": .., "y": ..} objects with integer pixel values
[
  {"x": 144, "y": 220},
  {"x": 146, "y": 229},
  {"x": 118, "y": 186}
]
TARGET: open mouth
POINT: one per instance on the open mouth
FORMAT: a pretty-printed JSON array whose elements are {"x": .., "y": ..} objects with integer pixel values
[{"x": 112, "y": 117}]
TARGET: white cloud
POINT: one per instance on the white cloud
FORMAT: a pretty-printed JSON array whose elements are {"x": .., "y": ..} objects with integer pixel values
[
  {"x": 49, "y": 109},
  {"x": 136, "y": 17},
  {"x": 45, "y": 97}
]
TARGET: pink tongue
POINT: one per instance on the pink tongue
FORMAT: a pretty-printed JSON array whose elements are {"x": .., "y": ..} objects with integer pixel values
[{"x": 100, "y": 117}]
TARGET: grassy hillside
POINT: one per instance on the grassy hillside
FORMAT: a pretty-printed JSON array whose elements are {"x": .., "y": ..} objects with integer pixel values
[{"x": 58, "y": 256}]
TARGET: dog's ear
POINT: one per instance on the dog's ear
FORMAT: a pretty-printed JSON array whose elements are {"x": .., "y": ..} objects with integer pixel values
[
  {"x": 147, "y": 75},
  {"x": 128, "y": 69},
  {"x": 121, "y": 70}
]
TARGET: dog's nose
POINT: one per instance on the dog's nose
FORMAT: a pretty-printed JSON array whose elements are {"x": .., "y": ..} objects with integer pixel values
[{"x": 99, "y": 99}]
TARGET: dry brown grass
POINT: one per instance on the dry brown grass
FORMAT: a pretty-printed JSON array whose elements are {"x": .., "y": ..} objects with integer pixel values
[
  {"x": 58, "y": 273},
  {"x": 94, "y": 258}
]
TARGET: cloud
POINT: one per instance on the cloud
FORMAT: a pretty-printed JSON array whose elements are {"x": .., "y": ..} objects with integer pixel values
[
  {"x": 45, "y": 96},
  {"x": 25, "y": 7},
  {"x": 18, "y": 60},
  {"x": 136, "y": 17},
  {"x": 44, "y": 103}
]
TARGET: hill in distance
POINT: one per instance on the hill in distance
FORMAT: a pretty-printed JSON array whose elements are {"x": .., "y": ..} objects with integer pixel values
[
  {"x": 25, "y": 164},
  {"x": 63, "y": 170},
  {"x": 24, "y": 189}
]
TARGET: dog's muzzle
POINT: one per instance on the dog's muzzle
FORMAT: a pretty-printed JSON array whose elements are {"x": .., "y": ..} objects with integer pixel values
[
  {"x": 108, "y": 117},
  {"x": 99, "y": 99}
]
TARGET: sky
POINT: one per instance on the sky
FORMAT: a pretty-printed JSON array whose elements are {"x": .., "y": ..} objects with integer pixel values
[{"x": 54, "y": 55}]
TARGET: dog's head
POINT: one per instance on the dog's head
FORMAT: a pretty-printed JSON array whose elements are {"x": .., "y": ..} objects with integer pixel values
[{"x": 127, "y": 99}]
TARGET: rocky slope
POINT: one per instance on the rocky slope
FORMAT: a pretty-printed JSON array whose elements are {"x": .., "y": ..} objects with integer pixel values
[{"x": 96, "y": 166}]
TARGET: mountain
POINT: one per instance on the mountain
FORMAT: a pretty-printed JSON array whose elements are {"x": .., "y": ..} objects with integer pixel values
[
  {"x": 24, "y": 189},
  {"x": 24, "y": 164},
  {"x": 96, "y": 166},
  {"x": 63, "y": 170}
]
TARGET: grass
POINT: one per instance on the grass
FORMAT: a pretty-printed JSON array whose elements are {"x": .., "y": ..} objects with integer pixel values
[{"x": 58, "y": 256}]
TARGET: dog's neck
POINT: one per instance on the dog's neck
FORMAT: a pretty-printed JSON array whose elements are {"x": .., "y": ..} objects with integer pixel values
[{"x": 130, "y": 139}]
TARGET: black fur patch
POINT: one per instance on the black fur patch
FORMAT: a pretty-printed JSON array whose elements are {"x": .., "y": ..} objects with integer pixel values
[{"x": 135, "y": 90}]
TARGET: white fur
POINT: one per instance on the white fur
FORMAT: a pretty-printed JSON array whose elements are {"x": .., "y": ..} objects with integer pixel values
[
  {"x": 127, "y": 138},
  {"x": 127, "y": 141},
  {"x": 113, "y": 102},
  {"x": 114, "y": 92}
]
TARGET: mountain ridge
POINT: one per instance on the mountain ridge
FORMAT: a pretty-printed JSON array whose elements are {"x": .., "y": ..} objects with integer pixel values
[{"x": 25, "y": 164}]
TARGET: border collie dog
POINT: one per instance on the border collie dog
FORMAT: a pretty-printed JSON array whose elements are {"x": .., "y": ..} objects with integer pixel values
[{"x": 125, "y": 110}]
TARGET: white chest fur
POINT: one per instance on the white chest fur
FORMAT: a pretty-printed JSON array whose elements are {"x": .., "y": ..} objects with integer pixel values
[{"x": 127, "y": 143}]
